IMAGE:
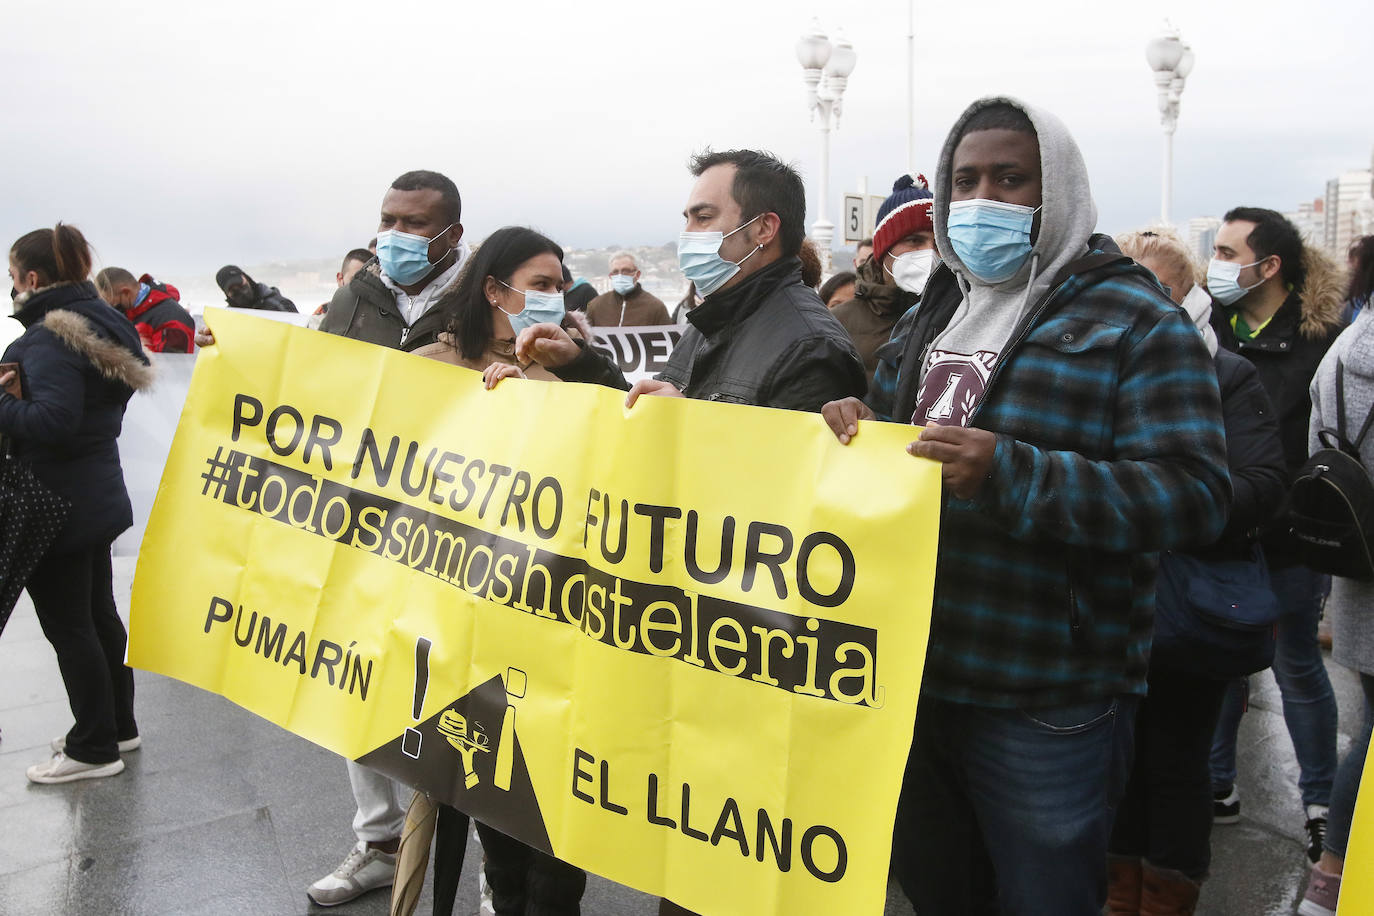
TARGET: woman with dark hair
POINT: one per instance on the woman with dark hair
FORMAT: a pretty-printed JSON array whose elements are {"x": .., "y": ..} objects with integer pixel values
[
  {"x": 79, "y": 363},
  {"x": 839, "y": 288},
  {"x": 512, "y": 281},
  {"x": 1360, "y": 258}
]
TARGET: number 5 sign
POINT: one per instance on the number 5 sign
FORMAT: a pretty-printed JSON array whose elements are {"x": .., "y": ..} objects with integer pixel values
[{"x": 853, "y": 217}]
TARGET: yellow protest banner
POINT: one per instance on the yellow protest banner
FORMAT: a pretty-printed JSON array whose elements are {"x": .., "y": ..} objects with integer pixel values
[
  {"x": 1357, "y": 882},
  {"x": 679, "y": 646}
]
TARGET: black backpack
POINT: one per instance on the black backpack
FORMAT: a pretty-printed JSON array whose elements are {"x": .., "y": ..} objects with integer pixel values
[{"x": 1330, "y": 506}]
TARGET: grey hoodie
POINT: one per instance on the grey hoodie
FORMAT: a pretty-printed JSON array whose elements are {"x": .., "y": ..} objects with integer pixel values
[
  {"x": 989, "y": 313},
  {"x": 1351, "y": 604}
]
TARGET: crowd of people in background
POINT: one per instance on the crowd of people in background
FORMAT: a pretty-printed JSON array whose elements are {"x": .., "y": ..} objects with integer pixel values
[{"x": 1112, "y": 419}]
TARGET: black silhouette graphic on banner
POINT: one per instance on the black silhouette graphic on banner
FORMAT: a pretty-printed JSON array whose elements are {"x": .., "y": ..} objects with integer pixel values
[{"x": 469, "y": 756}]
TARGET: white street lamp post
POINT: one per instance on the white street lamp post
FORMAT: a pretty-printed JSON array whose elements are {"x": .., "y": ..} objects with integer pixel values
[
  {"x": 1172, "y": 61},
  {"x": 911, "y": 86},
  {"x": 825, "y": 73}
]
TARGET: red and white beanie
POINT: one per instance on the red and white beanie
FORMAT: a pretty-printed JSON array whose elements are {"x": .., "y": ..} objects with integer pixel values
[{"x": 906, "y": 210}]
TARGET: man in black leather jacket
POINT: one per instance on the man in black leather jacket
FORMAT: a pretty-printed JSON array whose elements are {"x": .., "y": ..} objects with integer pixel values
[{"x": 761, "y": 337}]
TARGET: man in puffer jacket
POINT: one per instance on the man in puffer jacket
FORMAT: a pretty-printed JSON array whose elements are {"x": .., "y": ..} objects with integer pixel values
[
  {"x": 1278, "y": 304},
  {"x": 154, "y": 308}
]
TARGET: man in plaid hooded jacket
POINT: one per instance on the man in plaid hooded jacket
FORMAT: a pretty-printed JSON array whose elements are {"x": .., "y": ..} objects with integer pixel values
[{"x": 1075, "y": 412}]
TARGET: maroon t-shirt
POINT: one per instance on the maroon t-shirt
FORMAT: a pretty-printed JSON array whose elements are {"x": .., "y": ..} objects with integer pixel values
[{"x": 953, "y": 385}]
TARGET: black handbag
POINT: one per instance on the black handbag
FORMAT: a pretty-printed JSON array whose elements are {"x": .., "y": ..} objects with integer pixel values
[
  {"x": 1214, "y": 617},
  {"x": 31, "y": 517}
]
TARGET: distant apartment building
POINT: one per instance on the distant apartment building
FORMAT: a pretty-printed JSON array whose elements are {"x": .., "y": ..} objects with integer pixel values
[
  {"x": 1310, "y": 219},
  {"x": 1349, "y": 210},
  {"x": 1202, "y": 233}
]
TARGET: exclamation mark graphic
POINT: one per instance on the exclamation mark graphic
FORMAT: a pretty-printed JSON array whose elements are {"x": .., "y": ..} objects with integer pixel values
[{"x": 411, "y": 740}]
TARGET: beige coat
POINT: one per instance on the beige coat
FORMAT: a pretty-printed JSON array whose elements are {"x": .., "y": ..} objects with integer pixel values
[{"x": 498, "y": 351}]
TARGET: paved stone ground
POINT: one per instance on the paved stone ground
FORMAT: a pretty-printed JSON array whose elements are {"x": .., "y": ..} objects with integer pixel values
[{"x": 224, "y": 813}]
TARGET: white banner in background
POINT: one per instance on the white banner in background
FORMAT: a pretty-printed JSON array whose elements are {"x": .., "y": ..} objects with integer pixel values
[{"x": 640, "y": 352}]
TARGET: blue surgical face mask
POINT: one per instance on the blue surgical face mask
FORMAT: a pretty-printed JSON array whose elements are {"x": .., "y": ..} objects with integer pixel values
[
  {"x": 698, "y": 254},
  {"x": 540, "y": 308},
  {"x": 622, "y": 284},
  {"x": 405, "y": 257},
  {"x": 1223, "y": 280},
  {"x": 991, "y": 238}
]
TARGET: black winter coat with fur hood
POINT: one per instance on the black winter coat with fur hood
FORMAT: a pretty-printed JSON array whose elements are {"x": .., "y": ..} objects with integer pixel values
[
  {"x": 1286, "y": 353},
  {"x": 80, "y": 362}
]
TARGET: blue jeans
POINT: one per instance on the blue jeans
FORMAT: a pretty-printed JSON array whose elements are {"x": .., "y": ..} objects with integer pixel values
[
  {"x": 1347, "y": 786},
  {"x": 1309, "y": 705},
  {"x": 1009, "y": 810},
  {"x": 1223, "y": 760}
]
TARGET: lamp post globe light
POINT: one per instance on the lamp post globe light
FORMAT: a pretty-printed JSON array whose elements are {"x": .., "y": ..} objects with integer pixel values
[
  {"x": 826, "y": 66},
  {"x": 1172, "y": 61}
]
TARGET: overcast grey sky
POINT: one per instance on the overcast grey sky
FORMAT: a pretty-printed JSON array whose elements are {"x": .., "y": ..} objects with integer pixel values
[{"x": 181, "y": 136}]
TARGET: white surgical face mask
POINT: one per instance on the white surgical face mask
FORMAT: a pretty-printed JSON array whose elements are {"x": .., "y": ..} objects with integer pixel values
[
  {"x": 1223, "y": 280},
  {"x": 910, "y": 270}
]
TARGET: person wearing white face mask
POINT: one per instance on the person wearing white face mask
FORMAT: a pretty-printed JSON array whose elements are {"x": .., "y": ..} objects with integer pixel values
[
  {"x": 890, "y": 282},
  {"x": 1278, "y": 304},
  {"x": 626, "y": 303}
]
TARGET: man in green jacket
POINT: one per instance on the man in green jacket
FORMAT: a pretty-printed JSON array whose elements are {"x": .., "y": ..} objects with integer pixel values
[
  {"x": 389, "y": 302},
  {"x": 420, "y": 252}
]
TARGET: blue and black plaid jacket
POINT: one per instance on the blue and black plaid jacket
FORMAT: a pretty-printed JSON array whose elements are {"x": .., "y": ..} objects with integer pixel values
[{"x": 1110, "y": 448}]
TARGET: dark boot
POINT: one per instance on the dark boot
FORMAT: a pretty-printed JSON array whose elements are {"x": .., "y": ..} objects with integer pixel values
[
  {"x": 1166, "y": 892},
  {"x": 1123, "y": 886}
]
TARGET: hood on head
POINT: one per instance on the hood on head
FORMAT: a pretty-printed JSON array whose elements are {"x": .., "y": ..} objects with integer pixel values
[{"x": 1068, "y": 215}]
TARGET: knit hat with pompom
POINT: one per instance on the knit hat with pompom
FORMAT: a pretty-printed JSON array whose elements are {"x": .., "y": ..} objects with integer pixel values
[{"x": 907, "y": 210}]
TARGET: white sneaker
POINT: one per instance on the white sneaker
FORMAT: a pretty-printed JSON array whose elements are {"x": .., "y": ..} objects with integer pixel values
[
  {"x": 59, "y": 745},
  {"x": 61, "y": 768},
  {"x": 364, "y": 870}
]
